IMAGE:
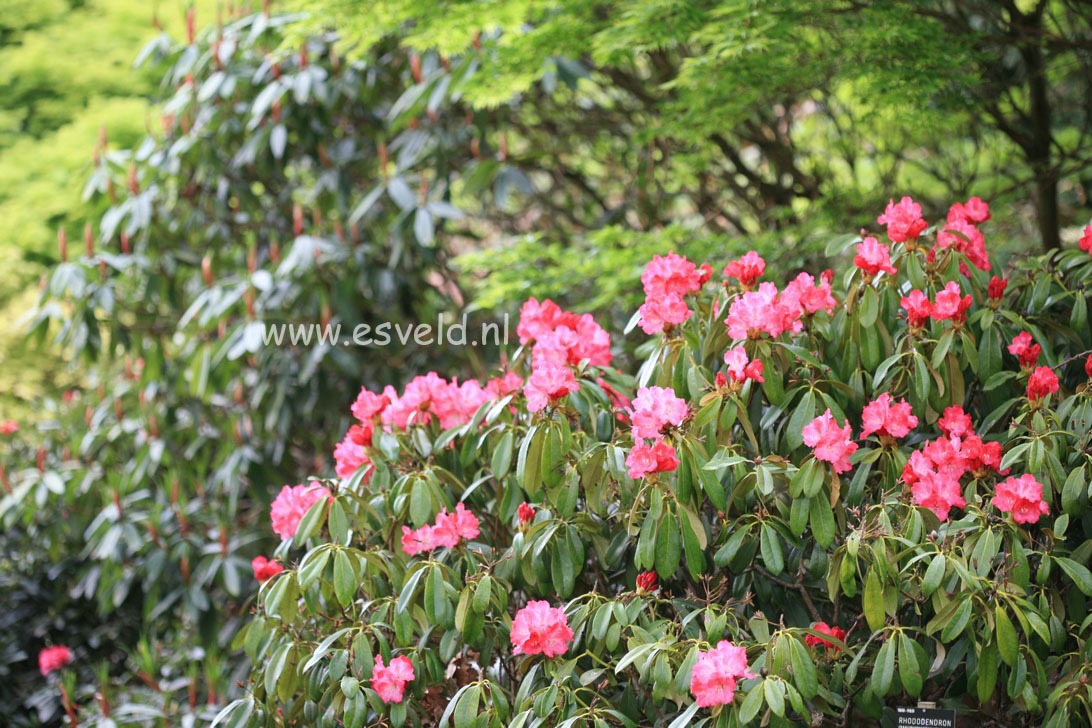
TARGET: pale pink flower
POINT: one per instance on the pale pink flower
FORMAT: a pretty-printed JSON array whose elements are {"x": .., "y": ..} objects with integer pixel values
[
  {"x": 661, "y": 311},
  {"x": 291, "y": 504},
  {"x": 548, "y": 384},
  {"x": 389, "y": 681},
  {"x": 369, "y": 405},
  {"x": 831, "y": 443},
  {"x": 1022, "y": 497},
  {"x": 654, "y": 409},
  {"x": 714, "y": 676},
  {"x": 873, "y": 257},
  {"x": 885, "y": 417},
  {"x": 762, "y": 311},
  {"x": 539, "y": 629}
]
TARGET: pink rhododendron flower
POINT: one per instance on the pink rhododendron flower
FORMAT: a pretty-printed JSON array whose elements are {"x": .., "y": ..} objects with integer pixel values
[
  {"x": 705, "y": 272},
  {"x": 53, "y": 658},
  {"x": 661, "y": 311},
  {"x": 980, "y": 457},
  {"x": 903, "y": 220},
  {"x": 503, "y": 385},
  {"x": 1024, "y": 350},
  {"x": 946, "y": 456},
  {"x": 746, "y": 269},
  {"x": 967, "y": 239},
  {"x": 1086, "y": 239},
  {"x": 1022, "y": 497},
  {"x": 389, "y": 681},
  {"x": 548, "y": 384},
  {"x": 803, "y": 294},
  {"x": 762, "y": 311},
  {"x": 873, "y": 257},
  {"x": 8, "y": 427},
  {"x": 431, "y": 395},
  {"x": 450, "y": 528},
  {"x": 539, "y": 629},
  {"x": 369, "y": 405},
  {"x": 1088, "y": 366},
  {"x": 349, "y": 453},
  {"x": 831, "y": 443},
  {"x": 885, "y": 417},
  {"x": 644, "y": 459},
  {"x": 918, "y": 308},
  {"x": 714, "y": 676},
  {"x": 950, "y": 303},
  {"x": 740, "y": 368},
  {"x": 974, "y": 211},
  {"x": 421, "y": 540},
  {"x": 996, "y": 288},
  {"x": 654, "y": 409},
  {"x": 291, "y": 504},
  {"x": 955, "y": 422},
  {"x": 939, "y": 493},
  {"x": 561, "y": 336},
  {"x": 264, "y": 569},
  {"x": 1042, "y": 382},
  {"x": 669, "y": 274},
  {"x": 835, "y": 632},
  {"x": 537, "y": 318},
  {"x": 526, "y": 513}
]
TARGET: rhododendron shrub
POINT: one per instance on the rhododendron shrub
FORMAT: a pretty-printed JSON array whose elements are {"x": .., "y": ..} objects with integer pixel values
[{"x": 815, "y": 499}]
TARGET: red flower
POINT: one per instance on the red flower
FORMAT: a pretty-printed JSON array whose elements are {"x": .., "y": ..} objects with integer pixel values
[
  {"x": 526, "y": 513},
  {"x": 264, "y": 568},
  {"x": 1022, "y": 497},
  {"x": 747, "y": 269},
  {"x": 996, "y": 288},
  {"x": 918, "y": 308},
  {"x": 739, "y": 368},
  {"x": 646, "y": 581},
  {"x": 53, "y": 658},
  {"x": 1088, "y": 366},
  {"x": 835, "y": 632},
  {"x": 886, "y": 417},
  {"x": 1086, "y": 239},
  {"x": 873, "y": 256},
  {"x": 8, "y": 427},
  {"x": 644, "y": 459},
  {"x": 955, "y": 422},
  {"x": 903, "y": 220},
  {"x": 1024, "y": 350},
  {"x": 950, "y": 304},
  {"x": 1043, "y": 382}
]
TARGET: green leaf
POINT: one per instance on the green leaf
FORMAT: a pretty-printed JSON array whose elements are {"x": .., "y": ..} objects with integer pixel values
[
  {"x": 338, "y": 524},
  {"x": 822, "y": 521},
  {"x": 987, "y": 672},
  {"x": 344, "y": 578},
  {"x": 934, "y": 574},
  {"x": 883, "y": 672},
  {"x": 801, "y": 416},
  {"x": 1080, "y": 575},
  {"x": 482, "y": 593},
  {"x": 909, "y": 670},
  {"x": 958, "y": 621},
  {"x": 873, "y": 600},
  {"x": 1008, "y": 644},
  {"x": 751, "y": 704},
  {"x": 502, "y": 456},
  {"x": 668, "y": 547},
  {"x": 311, "y": 521},
  {"x": 803, "y": 669},
  {"x": 770, "y": 547}
]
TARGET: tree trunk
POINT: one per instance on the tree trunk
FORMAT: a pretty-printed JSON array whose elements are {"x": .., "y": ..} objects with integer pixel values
[{"x": 1038, "y": 151}]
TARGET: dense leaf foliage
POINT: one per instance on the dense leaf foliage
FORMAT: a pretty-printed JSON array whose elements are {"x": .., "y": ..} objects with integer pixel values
[{"x": 878, "y": 490}]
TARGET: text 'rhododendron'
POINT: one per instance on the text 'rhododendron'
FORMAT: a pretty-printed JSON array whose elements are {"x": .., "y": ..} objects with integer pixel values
[
  {"x": 1022, "y": 497},
  {"x": 539, "y": 629},
  {"x": 714, "y": 676},
  {"x": 264, "y": 569},
  {"x": 390, "y": 681},
  {"x": 291, "y": 504},
  {"x": 656, "y": 408},
  {"x": 831, "y": 443}
]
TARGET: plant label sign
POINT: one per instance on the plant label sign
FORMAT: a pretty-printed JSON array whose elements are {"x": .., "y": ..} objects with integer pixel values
[{"x": 925, "y": 717}]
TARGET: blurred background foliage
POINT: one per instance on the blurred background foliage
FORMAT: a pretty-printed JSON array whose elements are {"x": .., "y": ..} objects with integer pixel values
[{"x": 259, "y": 166}]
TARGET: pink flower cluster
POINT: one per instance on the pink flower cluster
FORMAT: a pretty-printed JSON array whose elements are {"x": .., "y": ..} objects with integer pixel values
[
  {"x": 714, "y": 676},
  {"x": 291, "y": 504},
  {"x": 832, "y": 443},
  {"x": 655, "y": 411},
  {"x": 873, "y": 257},
  {"x": 1042, "y": 383},
  {"x": 389, "y": 681},
  {"x": 54, "y": 658},
  {"x": 548, "y": 384},
  {"x": 884, "y": 417},
  {"x": 903, "y": 220},
  {"x": 1085, "y": 242},
  {"x": 746, "y": 269},
  {"x": 740, "y": 368},
  {"x": 950, "y": 303},
  {"x": 768, "y": 311},
  {"x": 9, "y": 427},
  {"x": 933, "y": 472},
  {"x": 539, "y": 629},
  {"x": 644, "y": 459},
  {"x": 960, "y": 232},
  {"x": 562, "y": 337},
  {"x": 264, "y": 569},
  {"x": 448, "y": 529},
  {"x": 667, "y": 280},
  {"x": 1022, "y": 497}
]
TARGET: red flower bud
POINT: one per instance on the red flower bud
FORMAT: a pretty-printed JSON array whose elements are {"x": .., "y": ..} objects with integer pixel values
[
  {"x": 526, "y": 513},
  {"x": 646, "y": 581}
]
